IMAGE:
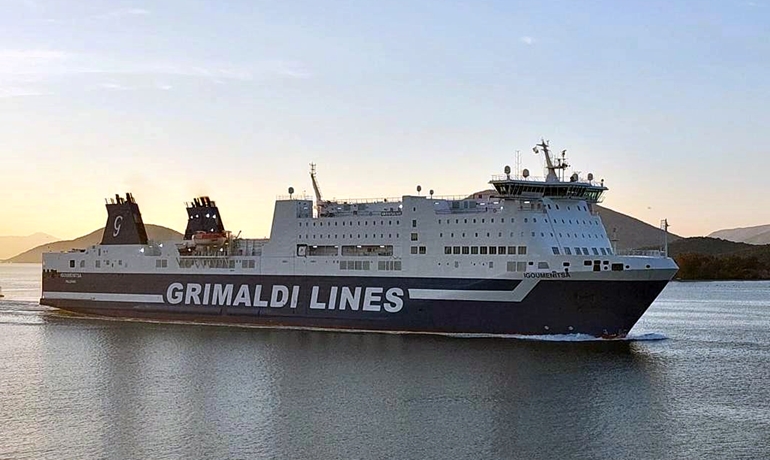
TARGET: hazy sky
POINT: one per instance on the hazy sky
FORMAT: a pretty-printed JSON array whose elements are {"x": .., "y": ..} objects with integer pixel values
[{"x": 668, "y": 101}]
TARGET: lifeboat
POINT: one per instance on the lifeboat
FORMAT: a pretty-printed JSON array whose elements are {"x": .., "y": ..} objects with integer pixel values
[{"x": 209, "y": 239}]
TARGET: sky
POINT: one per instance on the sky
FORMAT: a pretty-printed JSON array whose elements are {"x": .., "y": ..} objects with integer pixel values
[{"x": 668, "y": 101}]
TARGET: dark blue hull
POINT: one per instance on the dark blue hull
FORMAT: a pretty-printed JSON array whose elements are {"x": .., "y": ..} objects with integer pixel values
[{"x": 431, "y": 305}]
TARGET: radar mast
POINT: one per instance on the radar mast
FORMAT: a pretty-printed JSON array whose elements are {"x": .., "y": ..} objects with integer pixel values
[
  {"x": 561, "y": 162},
  {"x": 316, "y": 188}
]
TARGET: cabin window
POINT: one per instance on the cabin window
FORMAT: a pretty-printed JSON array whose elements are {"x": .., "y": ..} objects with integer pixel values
[
  {"x": 492, "y": 250},
  {"x": 474, "y": 249},
  {"x": 542, "y": 266},
  {"x": 617, "y": 267},
  {"x": 456, "y": 250},
  {"x": 414, "y": 223},
  {"x": 491, "y": 264},
  {"x": 604, "y": 252},
  {"x": 413, "y": 249},
  {"x": 501, "y": 250},
  {"x": 596, "y": 251},
  {"x": 522, "y": 250},
  {"x": 483, "y": 250},
  {"x": 72, "y": 264},
  {"x": 447, "y": 249},
  {"x": 98, "y": 263},
  {"x": 413, "y": 237},
  {"x": 587, "y": 263},
  {"x": 585, "y": 252},
  {"x": 511, "y": 250},
  {"x": 82, "y": 264},
  {"x": 466, "y": 250},
  {"x": 422, "y": 249}
]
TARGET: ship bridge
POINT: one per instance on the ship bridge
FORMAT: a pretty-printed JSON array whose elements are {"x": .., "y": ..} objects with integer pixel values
[
  {"x": 526, "y": 189},
  {"x": 554, "y": 185}
]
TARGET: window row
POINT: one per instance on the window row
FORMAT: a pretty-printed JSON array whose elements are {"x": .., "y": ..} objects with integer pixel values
[
  {"x": 354, "y": 264},
  {"x": 370, "y": 250},
  {"x": 349, "y": 223},
  {"x": 584, "y": 251},
  {"x": 329, "y": 236},
  {"x": 483, "y": 250}
]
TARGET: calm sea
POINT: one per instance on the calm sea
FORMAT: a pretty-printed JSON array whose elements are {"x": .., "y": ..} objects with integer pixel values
[{"x": 82, "y": 388}]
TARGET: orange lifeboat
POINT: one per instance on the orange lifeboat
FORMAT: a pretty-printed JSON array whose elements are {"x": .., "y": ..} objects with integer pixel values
[{"x": 209, "y": 239}]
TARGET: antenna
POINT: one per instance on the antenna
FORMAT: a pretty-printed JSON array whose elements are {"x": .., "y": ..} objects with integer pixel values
[
  {"x": 664, "y": 226},
  {"x": 517, "y": 162}
]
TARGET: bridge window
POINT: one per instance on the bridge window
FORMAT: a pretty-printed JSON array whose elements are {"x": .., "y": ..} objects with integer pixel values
[
  {"x": 456, "y": 250},
  {"x": 555, "y": 250},
  {"x": 501, "y": 250},
  {"x": 567, "y": 251},
  {"x": 466, "y": 250},
  {"x": 447, "y": 249},
  {"x": 522, "y": 250},
  {"x": 367, "y": 250},
  {"x": 483, "y": 250},
  {"x": 474, "y": 250},
  {"x": 422, "y": 250},
  {"x": 511, "y": 250}
]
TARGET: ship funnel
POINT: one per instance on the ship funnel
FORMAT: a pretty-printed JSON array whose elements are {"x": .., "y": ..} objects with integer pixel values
[
  {"x": 203, "y": 216},
  {"x": 124, "y": 222}
]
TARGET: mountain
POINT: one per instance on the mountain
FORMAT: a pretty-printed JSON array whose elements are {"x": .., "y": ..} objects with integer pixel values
[
  {"x": 709, "y": 246},
  {"x": 631, "y": 233},
  {"x": 759, "y": 234},
  {"x": 10, "y": 245},
  {"x": 35, "y": 255}
]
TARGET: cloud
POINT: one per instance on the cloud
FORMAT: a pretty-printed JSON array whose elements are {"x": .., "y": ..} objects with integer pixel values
[
  {"x": 33, "y": 54},
  {"x": 17, "y": 91},
  {"x": 123, "y": 12},
  {"x": 527, "y": 40},
  {"x": 36, "y": 71},
  {"x": 115, "y": 86}
]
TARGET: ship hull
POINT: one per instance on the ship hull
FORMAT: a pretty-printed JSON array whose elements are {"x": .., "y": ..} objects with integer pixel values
[{"x": 608, "y": 306}]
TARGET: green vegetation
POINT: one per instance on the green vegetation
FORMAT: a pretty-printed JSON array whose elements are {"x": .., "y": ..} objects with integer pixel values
[
  {"x": 706, "y": 267},
  {"x": 717, "y": 259}
]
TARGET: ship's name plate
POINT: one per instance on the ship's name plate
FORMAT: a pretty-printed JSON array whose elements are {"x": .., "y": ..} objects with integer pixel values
[{"x": 375, "y": 299}]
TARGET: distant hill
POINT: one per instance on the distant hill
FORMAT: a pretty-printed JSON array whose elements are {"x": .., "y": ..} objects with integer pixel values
[
  {"x": 708, "y": 246},
  {"x": 632, "y": 233},
  {"x": 759, "y": 234},
  {"x": 35, "y": 255},
  {"x": 12, "y": 245},
  {"x": 705, "y": 258}
]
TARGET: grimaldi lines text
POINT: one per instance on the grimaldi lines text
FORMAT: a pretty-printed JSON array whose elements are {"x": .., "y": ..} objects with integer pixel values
[{"x": 527, "y": 257}]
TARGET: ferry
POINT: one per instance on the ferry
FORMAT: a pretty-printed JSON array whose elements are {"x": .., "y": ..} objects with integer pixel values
[{"x": 528, "y": 257}]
